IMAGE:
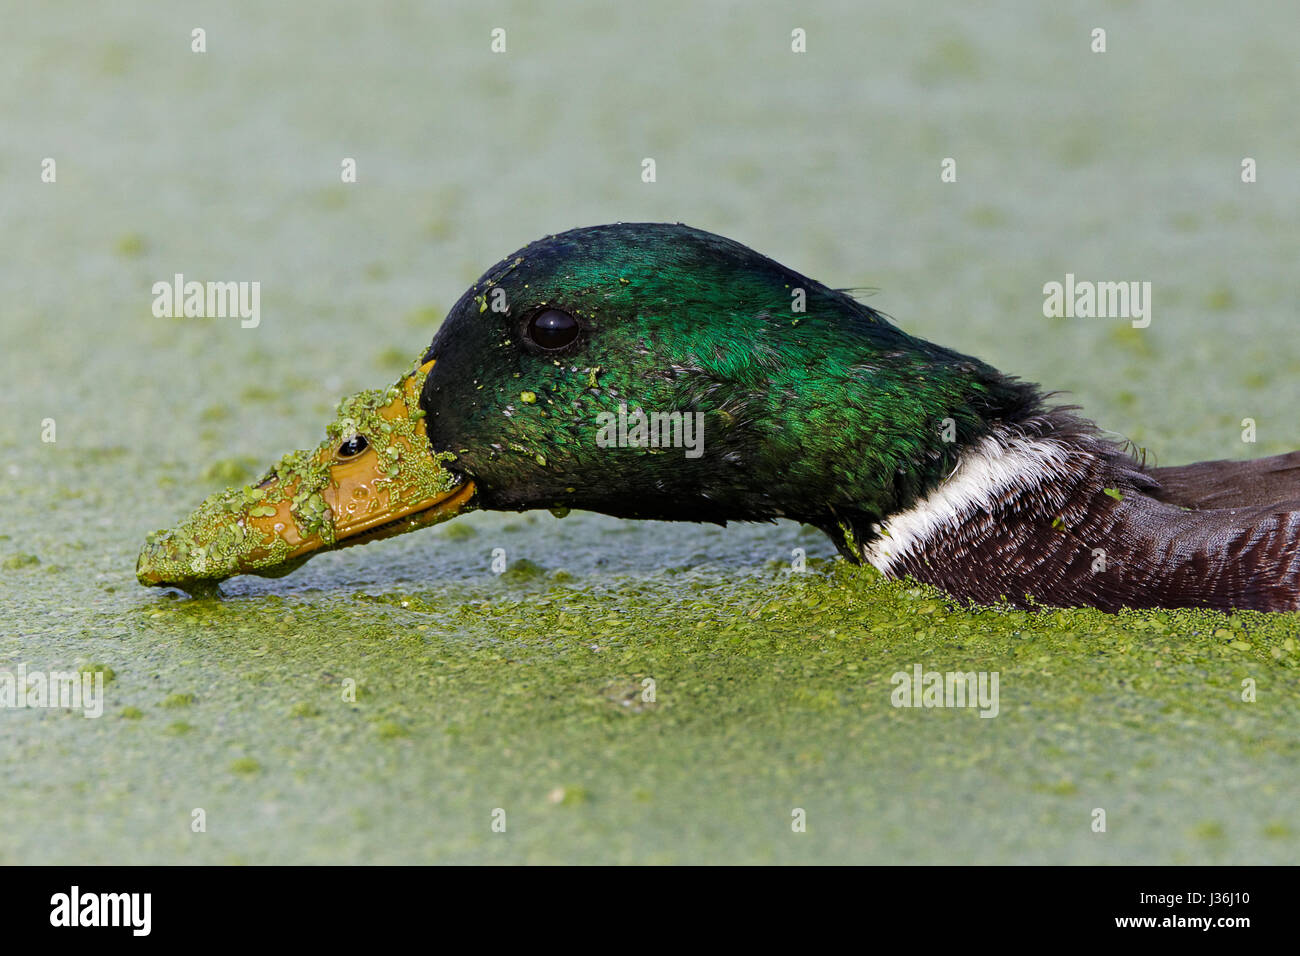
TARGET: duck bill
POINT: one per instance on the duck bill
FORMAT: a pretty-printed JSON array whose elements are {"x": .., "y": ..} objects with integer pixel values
[{"x": 374, "y": 477}]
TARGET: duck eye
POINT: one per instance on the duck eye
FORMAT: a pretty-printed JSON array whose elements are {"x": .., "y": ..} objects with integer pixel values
[
  {"x": 553, "y": 329},
  {"x": 352, "y": 447}
]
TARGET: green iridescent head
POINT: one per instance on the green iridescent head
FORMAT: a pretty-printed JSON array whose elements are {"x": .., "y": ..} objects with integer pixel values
[{"x": 806, "y": 403}]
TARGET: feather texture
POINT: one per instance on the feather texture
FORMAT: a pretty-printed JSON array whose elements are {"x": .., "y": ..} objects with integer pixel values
[{"x": 1065, "y": 519}]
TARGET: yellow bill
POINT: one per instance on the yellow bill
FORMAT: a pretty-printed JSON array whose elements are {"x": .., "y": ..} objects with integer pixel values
[{"x": 373, "y": 477}]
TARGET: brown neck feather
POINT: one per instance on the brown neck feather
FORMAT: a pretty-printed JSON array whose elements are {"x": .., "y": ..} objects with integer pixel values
[{"x": 1093, "y": 533}]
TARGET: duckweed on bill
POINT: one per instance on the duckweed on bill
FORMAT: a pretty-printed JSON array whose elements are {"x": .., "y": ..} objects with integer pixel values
[{"x": 219, "y": 539}]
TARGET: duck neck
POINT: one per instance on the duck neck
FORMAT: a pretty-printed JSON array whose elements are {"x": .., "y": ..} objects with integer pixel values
[{"x": 1050, "y": 514}]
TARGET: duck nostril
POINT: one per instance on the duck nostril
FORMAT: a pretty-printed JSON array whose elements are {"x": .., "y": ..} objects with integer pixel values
[{"x": 352, "y": 447}]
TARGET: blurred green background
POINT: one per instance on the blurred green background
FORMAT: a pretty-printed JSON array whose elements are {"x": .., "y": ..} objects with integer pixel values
[{"x": 522, "y": 692}]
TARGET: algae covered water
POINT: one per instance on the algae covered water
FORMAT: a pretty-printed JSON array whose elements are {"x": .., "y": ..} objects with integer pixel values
[{"x": 528, "y": 688}]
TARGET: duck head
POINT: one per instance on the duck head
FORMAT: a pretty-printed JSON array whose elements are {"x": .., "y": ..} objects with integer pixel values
[{"x": 640, "y": 370}]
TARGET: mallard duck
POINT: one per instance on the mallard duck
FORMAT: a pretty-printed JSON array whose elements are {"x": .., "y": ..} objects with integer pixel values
[{"x": 657, "y": 371}]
